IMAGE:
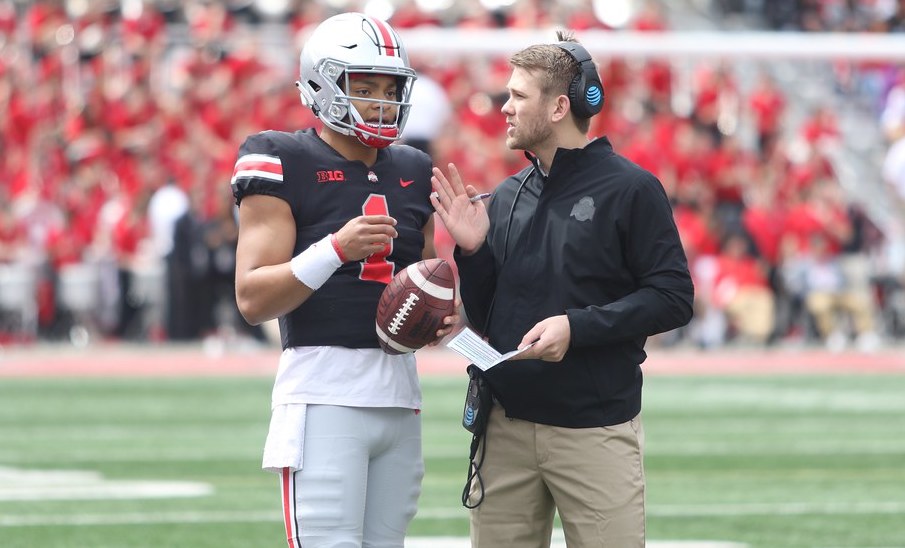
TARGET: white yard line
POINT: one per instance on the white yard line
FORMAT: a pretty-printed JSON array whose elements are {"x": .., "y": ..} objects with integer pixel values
[
  {"x": 249, "y": 517},
  {"x": 776, "y": 509},
  {"x": 35, "y": 485},
  {"x": 734, "y": 509},
  {"x": 699, "y": 510},
  {"x": 133, "y": 518}
]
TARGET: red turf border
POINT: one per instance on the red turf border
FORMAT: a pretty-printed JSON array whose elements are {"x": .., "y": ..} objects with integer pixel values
[{"x": 110, "y": 360}]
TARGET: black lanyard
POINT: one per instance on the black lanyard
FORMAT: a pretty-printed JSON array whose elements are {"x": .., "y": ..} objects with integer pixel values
[{"x": 518, "y": 193}]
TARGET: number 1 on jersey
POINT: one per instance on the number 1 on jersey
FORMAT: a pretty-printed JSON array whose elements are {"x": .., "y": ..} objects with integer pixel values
[{"x": 376, "y": 267}]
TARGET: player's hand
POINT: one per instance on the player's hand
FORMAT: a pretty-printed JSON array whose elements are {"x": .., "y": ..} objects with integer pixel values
[
  {"x": 449, "y": 324},
  {"x": 466, "y": 221},
  {"x": 365, "y": 235},
  {"x": 551, "y": 338}
]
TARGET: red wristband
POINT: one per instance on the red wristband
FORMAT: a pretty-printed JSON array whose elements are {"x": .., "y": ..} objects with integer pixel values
[{"x": 338, "y": 249}]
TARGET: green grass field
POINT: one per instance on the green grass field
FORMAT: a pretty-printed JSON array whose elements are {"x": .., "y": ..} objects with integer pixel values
[{"x": 768, "y": 461}]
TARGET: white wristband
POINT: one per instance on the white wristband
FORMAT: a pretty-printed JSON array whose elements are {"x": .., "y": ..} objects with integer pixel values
[{"x": 315, "y": 265}]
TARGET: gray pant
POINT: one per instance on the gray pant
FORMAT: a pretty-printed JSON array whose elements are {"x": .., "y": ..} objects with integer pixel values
[{"x": 361, "y": 478}]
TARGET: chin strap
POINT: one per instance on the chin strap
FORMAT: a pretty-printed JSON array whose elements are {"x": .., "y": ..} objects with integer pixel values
[{"x": 385, "y": 135}]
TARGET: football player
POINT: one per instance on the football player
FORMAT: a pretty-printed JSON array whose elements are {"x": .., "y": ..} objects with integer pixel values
[{"x": 326, "y": 219}]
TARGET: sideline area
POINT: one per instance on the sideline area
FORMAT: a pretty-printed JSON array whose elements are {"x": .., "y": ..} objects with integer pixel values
[{"x": 225, "y": 359}]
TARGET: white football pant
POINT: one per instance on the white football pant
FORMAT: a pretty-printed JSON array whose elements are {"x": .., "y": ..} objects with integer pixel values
[{"x": 360, "y": 481}]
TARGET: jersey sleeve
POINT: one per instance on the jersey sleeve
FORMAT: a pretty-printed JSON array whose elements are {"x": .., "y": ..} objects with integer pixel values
[{"x": 259, "y": 169}]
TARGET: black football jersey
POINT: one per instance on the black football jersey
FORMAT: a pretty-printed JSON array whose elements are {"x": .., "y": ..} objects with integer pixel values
[{"x": 324, "y": 191}]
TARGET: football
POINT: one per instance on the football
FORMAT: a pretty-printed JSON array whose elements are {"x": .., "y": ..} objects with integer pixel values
[{"x": 413, "y": 305}]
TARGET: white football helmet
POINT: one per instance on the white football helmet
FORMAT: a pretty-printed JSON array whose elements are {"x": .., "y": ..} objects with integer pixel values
[{"x": 347, "y": 44}]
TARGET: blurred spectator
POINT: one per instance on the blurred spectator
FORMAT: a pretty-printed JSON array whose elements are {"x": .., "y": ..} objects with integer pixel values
[
  {"x": 892, "y": 121},
  {"x": 894, "y": 171},
  {"x": 892, "y": 117},
  {"x": 409, "y": 15},
  {"x": 716, "y": 101},
  {"x": 741, "y": 289},
  {"x": 188, "y": 315},
  {"x": 767, "y": 104},
  {"x": 13, "y": 244},
  {"x": 220, "y": 234},
  {"x": 730, "y": 171},
  {"x": 832, "y": 299},
  {"x": 129, "y": 231},
  {"x": 7, "y": 17},
  {"x": 820, "y": 127},
  {"x": 695, "y": 216},
  {"x": 896, "y": 20},
  {"x": 168, "y": 203}
]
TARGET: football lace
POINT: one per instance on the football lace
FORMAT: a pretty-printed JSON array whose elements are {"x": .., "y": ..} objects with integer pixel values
[{"x": 402, "y": 313}]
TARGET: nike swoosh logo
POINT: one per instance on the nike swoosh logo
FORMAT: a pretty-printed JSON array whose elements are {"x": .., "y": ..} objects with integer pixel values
[{"x": 405, "y": 183}]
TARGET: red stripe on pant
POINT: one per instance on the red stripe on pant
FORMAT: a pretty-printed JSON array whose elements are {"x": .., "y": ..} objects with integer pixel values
[{"x": 289, "y": 508}]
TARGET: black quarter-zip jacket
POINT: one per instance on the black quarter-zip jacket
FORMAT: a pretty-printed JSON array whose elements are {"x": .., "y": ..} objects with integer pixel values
[{"x": 595, "y": 239}]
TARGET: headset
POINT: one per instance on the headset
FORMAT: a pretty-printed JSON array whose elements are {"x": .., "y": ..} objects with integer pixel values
[{"x": 586, "y": 89}]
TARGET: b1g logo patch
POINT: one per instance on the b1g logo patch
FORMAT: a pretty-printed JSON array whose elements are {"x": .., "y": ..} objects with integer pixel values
[
  {"x": 584, "y": 209},
  {"x": 331, "y": 176}
]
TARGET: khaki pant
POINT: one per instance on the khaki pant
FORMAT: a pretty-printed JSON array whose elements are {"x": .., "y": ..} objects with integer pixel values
[
  {"x": 752, "y": 313},
  {"x": 593, "y": 476},
  {"x": 825, "y": 306}
]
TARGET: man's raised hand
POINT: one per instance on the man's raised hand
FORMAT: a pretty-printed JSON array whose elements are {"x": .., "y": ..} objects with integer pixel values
[{"x": 466, "y": 221}]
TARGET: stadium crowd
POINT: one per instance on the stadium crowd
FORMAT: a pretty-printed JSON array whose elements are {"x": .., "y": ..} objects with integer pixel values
[{"x": 122, "y": 121}]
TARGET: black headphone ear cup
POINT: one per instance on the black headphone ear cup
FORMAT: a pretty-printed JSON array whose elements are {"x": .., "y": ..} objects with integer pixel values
[
  {"x": 577, "y": 96},
  {"x": 573, "y": 89},
  {"x": 585, "y": 89}
]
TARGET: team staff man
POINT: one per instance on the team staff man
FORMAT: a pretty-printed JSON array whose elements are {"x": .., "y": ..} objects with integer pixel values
[
  {"x": 325, "y": 221},
  {"x": 578, "y": 252}
]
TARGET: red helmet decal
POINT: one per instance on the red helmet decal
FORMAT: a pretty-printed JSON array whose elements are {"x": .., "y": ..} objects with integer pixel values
[{"x": 385, "y": 37}]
